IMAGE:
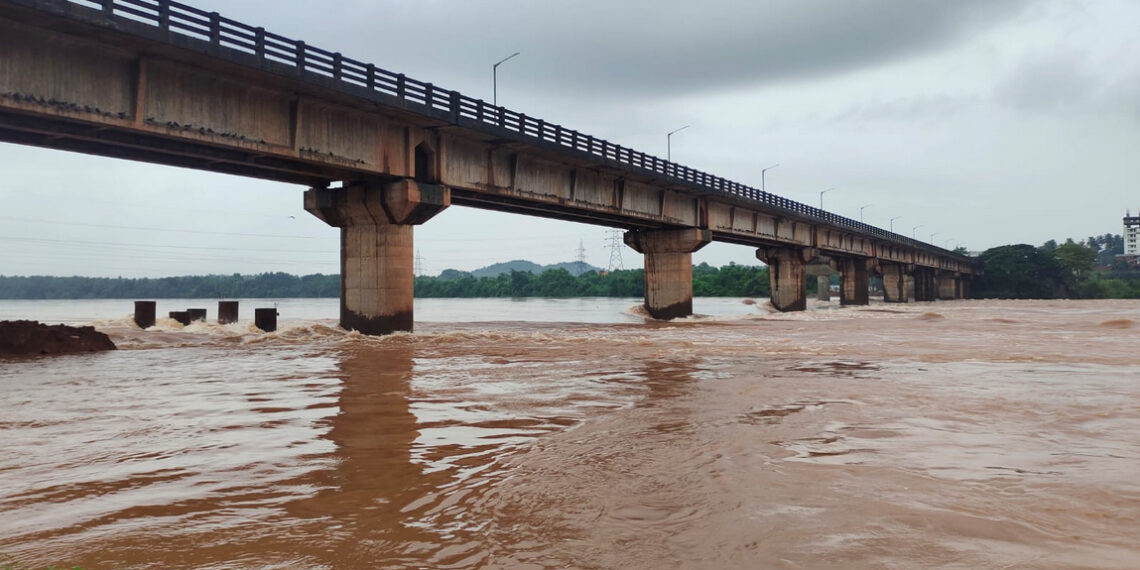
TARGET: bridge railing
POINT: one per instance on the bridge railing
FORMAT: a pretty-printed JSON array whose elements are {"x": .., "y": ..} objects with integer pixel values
[{"x": 305, "y": 59}]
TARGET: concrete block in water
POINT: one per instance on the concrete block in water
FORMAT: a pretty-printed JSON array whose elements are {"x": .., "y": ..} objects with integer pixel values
[
  {"x": 180, "y": 316},
  {"x": 227, "y": 312},
  {"x": 196, "y": 314},
  {"x": 144, "y": 314},
  {"x": 265, "y": 319}
]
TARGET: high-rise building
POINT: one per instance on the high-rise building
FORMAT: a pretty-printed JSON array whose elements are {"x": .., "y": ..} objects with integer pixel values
[{"x": 1131, "y": 233}]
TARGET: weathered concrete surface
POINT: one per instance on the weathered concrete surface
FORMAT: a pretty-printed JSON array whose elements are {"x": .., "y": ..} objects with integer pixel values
[
  {"x": 823, "y": 287},
  {"x": 26, "y": 338},
  {"x": 787, "y": 275},
  {"x": 894, "y": 283},
  {"x": 925, "y": 284},
  {"x": 668, "y": 268},
  {"x": 948, "y": 286},
  {"x": 854, "y": 281},
  {"x": 376, "y": 249}
]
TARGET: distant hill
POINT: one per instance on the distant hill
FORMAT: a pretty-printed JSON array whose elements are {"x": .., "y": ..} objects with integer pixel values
[{"x": 521, "y": 265}]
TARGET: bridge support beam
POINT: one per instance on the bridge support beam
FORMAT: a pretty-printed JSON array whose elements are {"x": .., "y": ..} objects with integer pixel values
[
  {"x": 376, "y": 219},
  {"x": 668, "y": 268},
  {"x": 854, "y": 281},
  {"x": 964, "y": 287},
  {"x": 894, "y": 283},
  {"x": 787, "y": 274}
]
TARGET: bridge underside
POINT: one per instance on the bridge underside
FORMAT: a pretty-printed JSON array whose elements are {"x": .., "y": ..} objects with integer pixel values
[{"x": 84, "y": 80}]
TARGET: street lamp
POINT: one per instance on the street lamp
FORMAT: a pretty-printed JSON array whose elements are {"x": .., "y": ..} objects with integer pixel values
[
  {"x": 495, "y": 78},
  {"x": 762, "y": 171},
  {"x": 669, "y": 144},
  {"x": 893, "y": 223},
  {"x": 914, "y": 231},
  {"x": 861, "y": 211},
  {"x": 932, "y": 237},
  {"x": 821, "y": 196}
]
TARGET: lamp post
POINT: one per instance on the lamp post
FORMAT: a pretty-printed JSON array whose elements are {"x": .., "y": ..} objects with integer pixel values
[
  {"x": 821, "y": 196},
  {"x": 932, "y": 237},
  {"x": 495, "y": 78},
  {"x": 762, "y": 171},
  {"x": 893, "y": 223},
  {"x": 669, "y": 144},
  {"x": 914, "y": 231},
  {"x": 861, "y": 211}
]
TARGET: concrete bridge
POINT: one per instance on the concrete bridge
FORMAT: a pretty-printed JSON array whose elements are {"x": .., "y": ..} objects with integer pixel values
[{"x": 163, "y": 82}]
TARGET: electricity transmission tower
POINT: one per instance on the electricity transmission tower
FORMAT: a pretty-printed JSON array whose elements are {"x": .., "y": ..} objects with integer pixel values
[
  {"x": 581, "y": 258},
  {"x": 615, "y": 241},
  {"x": 419, "y": 268}
]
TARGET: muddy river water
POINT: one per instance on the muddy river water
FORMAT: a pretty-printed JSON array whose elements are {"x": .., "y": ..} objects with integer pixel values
[{"x": 576, "y": 434}]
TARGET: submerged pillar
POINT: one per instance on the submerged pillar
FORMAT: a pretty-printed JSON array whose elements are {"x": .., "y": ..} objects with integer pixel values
[
  {"x": 854, "y": 281},
  {"x": 144, "y": 314},
  {"x": 925, "y": 285},
  {"x": 964, "y": 287},
  {"x": 823, "y": 287},
  {"x": 948, "y": 286},
  {"x": 376, "y": 251},
  {"x": 668, "y": 268},
  {"x": 787, "y": 275},
  {"x": 227, "y": 312},
  {"x": 894, "y": 283}
]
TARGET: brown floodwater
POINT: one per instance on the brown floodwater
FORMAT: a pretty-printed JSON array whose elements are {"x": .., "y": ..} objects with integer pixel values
[{"x": 968, "y": 434}]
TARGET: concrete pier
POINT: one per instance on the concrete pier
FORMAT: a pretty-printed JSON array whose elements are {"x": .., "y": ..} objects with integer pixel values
[
  {"x": 925, "y": 284},
  {"x": 823, "y": 287},
  {"x": 196, "y": 314},
  {"x": 787, "y": 275},
  {"x": 894, "y": 283},
  {"x": 227, "y": 312},
  {"x": 948, "y": 286},
  {"x": 854, "y": 281},
  {"x": 668, "y": 268},
  {"x": 144, "y": 314},
  {"x": 182, "y": 317},
  {"x": 376, "y": 249},
  {"x": 265, "y": 319}
]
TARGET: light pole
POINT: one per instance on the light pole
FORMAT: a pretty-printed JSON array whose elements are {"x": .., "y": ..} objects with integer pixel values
[
  {"x": 893, "y": 223},
  {"x": 669, "y": 144},
  {"x": 821, "y": 196},
  {"x": 861, "y": 211},
  {"x": 762, "y": 171},
  {"x": 495, "y": 78},
  {"x": 914, "y": 231},
  {"x": 932, "y": 237}
]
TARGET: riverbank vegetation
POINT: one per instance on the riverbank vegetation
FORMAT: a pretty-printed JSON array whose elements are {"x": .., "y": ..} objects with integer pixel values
[
  {"x": 728, "y": 281},
  {"x": 1088, "y": 269}
]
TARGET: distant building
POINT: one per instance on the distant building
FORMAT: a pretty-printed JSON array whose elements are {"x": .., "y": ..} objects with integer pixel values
[{"x": 1131, "y": 233}]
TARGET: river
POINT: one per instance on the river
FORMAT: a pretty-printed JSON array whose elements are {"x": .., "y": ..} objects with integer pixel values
[{"x": 577, "y": 434}]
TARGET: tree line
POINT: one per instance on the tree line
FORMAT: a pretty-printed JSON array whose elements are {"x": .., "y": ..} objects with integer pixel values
[
  {"x": 728, "y": 281},
  {"x": 1088, "y": 269}
]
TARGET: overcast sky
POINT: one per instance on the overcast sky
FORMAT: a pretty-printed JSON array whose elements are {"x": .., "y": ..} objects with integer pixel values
[{"x": 984, "y": 122}]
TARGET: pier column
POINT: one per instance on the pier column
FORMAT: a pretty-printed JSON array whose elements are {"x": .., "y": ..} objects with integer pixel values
[
  {"x": 823, "y": 287},
  {"x": 894, "y": 282},
  {"x": 376, "y": 250},
  {"x": 853, "y": 281},
  {"x": 668, "y": 268},
  {"x": 948, "y": 286},
  {"x": 964, "y": 286},
  {"x": 925, "y": 284},
  {"x": 787, "y": 274}
]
